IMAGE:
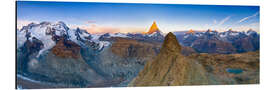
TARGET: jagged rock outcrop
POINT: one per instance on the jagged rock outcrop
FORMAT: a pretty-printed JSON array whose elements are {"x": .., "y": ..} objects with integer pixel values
[
  {"x": 171, "y": 68},
  {"x": 66, "y": 49}
]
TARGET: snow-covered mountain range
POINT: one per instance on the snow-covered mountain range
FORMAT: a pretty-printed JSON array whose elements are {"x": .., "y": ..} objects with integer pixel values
[
  {"x": 205, "y": 41},
  {"x": 49, "y": 33},
  {"x": 54, "y": 53}
]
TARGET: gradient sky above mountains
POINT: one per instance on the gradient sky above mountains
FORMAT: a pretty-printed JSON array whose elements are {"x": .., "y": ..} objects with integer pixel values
[{"x": 128, "y": 17}]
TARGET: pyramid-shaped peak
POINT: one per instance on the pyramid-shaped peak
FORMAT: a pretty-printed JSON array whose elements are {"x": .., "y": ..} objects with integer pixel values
[
  {"x": 191, "y": 31},
  {"x": 170, "y": 43},
  {"x": 153, "y": 28}
]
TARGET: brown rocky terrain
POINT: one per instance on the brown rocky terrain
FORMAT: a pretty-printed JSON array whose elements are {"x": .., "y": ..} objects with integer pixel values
[
  {"x": 171, "y": 68},
  {"x": 187, "y": 50},
  {"x": 66, "y": 49},
  {"x": 219, "y": 63},
  {"x": 125, "y": 47}
]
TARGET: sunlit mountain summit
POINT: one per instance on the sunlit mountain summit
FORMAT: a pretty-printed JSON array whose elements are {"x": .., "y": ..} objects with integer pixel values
[{"x": 153, "y": 28}]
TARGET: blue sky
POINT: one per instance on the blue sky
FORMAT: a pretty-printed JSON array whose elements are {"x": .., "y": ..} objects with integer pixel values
[{"x": 128, "y": 17}]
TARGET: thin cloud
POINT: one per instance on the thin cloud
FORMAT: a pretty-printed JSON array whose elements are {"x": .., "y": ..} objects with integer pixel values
[
  {"x": 246, "y": 18},
  {"x": 90, "y": 22},
  {"x": 98, "y": 29},
  {"x": 224, "y": 20}
]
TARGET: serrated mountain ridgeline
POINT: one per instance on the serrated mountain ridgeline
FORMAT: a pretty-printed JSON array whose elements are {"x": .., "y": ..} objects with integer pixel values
[
  {"x": 60, "y": 56},
  {"x": 54, "y": 53},
  {"x": 227, "y": 42}
]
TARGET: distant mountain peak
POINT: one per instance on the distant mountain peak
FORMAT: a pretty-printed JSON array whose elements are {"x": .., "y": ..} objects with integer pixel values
[
  {"x": 191, "y": 31},
  {"x": 153, "y": 28},
  {"x": 170, "y": 43}
]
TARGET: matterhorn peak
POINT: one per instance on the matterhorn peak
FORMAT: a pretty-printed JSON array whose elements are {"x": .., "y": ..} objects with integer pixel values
[
  {"x": 170, "y": 43},
  {"x": 190, "y": 31},
  {"x": 153, "y": 28}
]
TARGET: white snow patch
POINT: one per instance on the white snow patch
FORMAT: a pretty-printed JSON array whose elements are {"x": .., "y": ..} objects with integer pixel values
[
  {"x": 21, "y": 39},
  {"x": 118, "y": 35},
  {"x": 186, "y": 36},
  {"x": 26, "y": 78},
  {"x": 102, "y": 44},
  {"x": 197, "y": 35},
  {"x": 153, "y": 34},
  {"x": 40, "y": 33},
  {"x": 95, "y": 37},
  {"x": 105, "y": 43},
  {"x": 83, "y": 35},
  {"x": 72, "y": 36},
  {"x": 223, "y": 35},
  {"x": 234, "y": 34}
]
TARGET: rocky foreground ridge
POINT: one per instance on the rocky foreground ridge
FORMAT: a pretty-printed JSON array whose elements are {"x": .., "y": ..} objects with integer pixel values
[{"x": 171, "y": 68}]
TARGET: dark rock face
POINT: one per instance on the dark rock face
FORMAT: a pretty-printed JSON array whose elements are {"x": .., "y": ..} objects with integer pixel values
[
  {"x": 250, "y": 43},
  {"x": 27, "y": 51},
  {"x": 213, "y": 46},
  {"x": 155, "y": 37},
  {"x": 78, "y": 32}
]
